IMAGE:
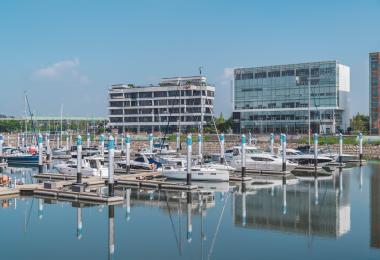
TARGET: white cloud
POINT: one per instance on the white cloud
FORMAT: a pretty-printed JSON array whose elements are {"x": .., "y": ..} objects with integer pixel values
[
  {"x": 62, "y": 70},
  {"x": 228, "y": 73}
]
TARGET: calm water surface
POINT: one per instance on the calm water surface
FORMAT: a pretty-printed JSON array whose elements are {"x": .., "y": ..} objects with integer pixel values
[{"x": 333, "y": 218}]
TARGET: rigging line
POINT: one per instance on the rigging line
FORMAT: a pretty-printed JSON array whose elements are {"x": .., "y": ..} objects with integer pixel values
[
  {"x": 320, "y": 122},
  {"x": 218, "y": 227},
  {"x": 30, "y": 209},
  {"x": 216, "y": 130},
  {"x": 171, "y": 220},
  {"x": 167, "y": 126}
]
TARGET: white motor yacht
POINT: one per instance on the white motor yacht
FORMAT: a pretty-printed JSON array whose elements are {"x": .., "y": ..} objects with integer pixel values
[
  {"x": 91, "y": 166},
  {"x": 256, "y": 159},
  {"x": 176, "y": 168},
  {"x": 306, "y": 159}
]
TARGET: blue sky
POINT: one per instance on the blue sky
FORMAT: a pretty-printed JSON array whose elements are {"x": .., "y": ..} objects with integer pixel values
[{"x": 70, "y": 51}]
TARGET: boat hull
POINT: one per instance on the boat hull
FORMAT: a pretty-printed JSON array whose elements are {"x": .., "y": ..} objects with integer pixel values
[
  {"x": 212, "y": 175},
  {"x": 28, "y": 159}
]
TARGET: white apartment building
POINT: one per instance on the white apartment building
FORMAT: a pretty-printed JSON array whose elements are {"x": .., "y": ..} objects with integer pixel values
[{"x": 175, "y": 103}]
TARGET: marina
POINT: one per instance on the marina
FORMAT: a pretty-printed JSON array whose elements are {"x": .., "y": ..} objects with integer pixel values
[
  {"x": 190, "y": 130},
  {"x": 311, "y": 213}
]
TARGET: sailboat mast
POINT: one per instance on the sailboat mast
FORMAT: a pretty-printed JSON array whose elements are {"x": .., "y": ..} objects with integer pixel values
[
  {"x": 202, "y": 105},
  {"x": 26, "y": 122},
  {"x": 180, "y": 100},
  {"x": 60, "y": 133}
]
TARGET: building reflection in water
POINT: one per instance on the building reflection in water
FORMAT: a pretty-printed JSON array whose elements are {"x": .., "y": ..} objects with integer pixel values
[
  {"x": 375, "y": 209},
  {"x": 313, "y": 207}
]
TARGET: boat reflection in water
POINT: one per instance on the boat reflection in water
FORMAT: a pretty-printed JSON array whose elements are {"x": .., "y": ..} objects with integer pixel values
[
  {"x": 315, "y": 206},
  {"x": 375, "y": 210}
]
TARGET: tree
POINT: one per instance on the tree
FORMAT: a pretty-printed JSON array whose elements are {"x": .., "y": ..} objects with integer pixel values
[
  {"x": 359, "y": 123},
  {"x": 222, "y": 125}
]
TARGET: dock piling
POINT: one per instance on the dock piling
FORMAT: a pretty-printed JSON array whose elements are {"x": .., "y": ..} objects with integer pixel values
[
  {"x": 200, "y": 147},
  {"x": 88, "y": 139},
  {"x": 178, "y": 142},
  {"x": 340, "y": 149},
  {"x": 101, "y": 139},
  {"x": 243, "y": 168},
  {"x": 79, "y": 159},
  {"x": 283, "y": 148},
  {"x": 189, "y": 152},
  {"x": 151, "y": 142},
  {"x": 284, "y": 202},
  {"x": 67, "y": 143},
  {"x": 128, "y": 153},
  {"x": 40, "y": 162},
  {"x": 111, "y": 154},
  {"x": 222, "y": 148},
  {"x": 1, "y": 145},
  {"x": 271, "y": 143},
  {"x": 315, "y": 152},
  {"x": 48, "y": 150},
  {"x": 122, "y": 145}
]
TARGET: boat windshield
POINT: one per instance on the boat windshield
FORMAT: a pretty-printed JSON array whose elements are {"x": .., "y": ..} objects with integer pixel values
[{"x": 93, "y": 164}]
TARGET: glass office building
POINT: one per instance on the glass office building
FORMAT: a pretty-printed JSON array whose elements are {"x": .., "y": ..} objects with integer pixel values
[
  {"x": 276, "y": 98},
  {"x": 374, "y": 88}
]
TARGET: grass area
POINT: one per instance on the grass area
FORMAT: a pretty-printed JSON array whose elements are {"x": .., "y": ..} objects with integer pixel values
[
  {"x": 330, "y": 140},
  {"x": 172, "y": 137},
  {"x": 335, "y": 140}
]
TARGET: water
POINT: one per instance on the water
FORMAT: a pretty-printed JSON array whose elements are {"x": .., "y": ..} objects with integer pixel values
[{"x": 336, "y": 218}]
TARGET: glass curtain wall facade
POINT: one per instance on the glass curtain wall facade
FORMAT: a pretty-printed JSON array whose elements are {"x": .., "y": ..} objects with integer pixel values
[
  {"x": 276, "y": 98},
  {"x": 374, "y": 88}
]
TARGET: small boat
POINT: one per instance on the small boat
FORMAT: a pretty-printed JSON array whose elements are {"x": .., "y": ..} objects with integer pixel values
[
  {"x": 91, "y": 166},
  {"x": 198, "y": 173},
  {"x": 163, "y": 149},
  {"x": 15, "y": 156},
  {"x": 60, "y": 151},
  {"x": 142, "y": 162},
  {"x": 178, "y": 171}
]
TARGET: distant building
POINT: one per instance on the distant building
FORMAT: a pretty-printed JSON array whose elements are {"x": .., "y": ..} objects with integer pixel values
[
  {"x": 374, "y": 89},
  {"x": 276, "y": 98},
  {"x": 175, "y": 102}
]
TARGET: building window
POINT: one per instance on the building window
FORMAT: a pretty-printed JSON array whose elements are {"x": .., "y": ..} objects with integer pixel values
[
  {"x": 287, "y": 73},
  {"x": 260, "y": 75},
  {"x": 160, "y": 94},
  {"x": 273, "y": 74},
  {"x": 302, "y": 72},
  {"x": 248, "y": 75},
  {"x": 145, "y": 94}
]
